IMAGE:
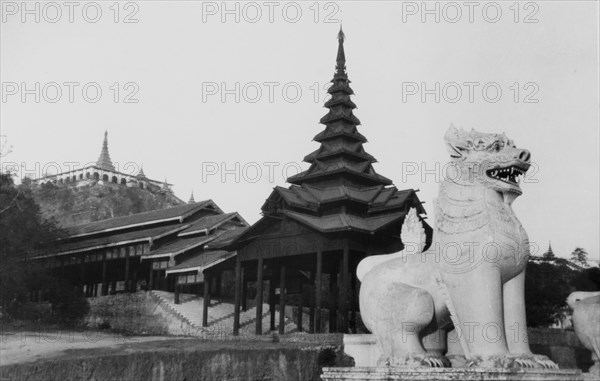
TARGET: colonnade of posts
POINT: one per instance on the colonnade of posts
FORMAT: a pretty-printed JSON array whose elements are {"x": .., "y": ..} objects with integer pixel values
[
  {"x": 342, "y": 303},
  {"x": 100, "y": 278}
]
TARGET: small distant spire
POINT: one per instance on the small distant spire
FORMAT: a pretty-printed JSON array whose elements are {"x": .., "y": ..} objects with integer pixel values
[
  {"x": 340, "y": 66},
  {"x": 165, "y": 187},
  {"x": 191, "y": 200},
  {"x": 141, "y": 173},
  {"x": 549, "y": 254},
  {"x": 104, "y": 161}
]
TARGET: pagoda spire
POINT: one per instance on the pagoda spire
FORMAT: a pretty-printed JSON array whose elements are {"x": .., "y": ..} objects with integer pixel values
[
  {"x": 340, "y": 67},
  {"x": 104, "y": 161},
  {"x": 141, "y": 173},
  {"x": 191, "y": 200},
  {"x": 341, "y": 159},
  {"x": 549, "y": 254}
]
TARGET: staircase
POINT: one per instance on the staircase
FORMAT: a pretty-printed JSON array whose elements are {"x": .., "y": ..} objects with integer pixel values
[{"x": 220, "y": 315}]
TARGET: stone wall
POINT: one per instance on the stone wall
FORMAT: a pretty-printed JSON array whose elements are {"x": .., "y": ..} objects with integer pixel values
[
  {"x": 185, "y": 359},
  {"x": 131, "y": 314},
  {"x": 562, "y": 346}
]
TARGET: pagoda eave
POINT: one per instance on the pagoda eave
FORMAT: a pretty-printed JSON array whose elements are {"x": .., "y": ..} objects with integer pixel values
[
  {"x": 373, "y": 180},
  {"x": 340, "y": 101},
  {"x": 322, "y": 136},
  {"x": 333, "y": 117},
  {"x": 316, "y": 156}
]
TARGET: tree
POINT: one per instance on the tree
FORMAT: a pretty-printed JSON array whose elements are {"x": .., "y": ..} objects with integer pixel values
[
  {"x": 23, "y": 231},
  {"x": 587, "y": 280},
  {"x": 579, "y": 256},
  {"x": 548, "y": 283}
]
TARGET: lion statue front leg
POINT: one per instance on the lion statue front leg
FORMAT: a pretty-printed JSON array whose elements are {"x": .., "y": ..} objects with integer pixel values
[
  {"x": 516, "y": 326},
  {"x": 492, "y": 321}
]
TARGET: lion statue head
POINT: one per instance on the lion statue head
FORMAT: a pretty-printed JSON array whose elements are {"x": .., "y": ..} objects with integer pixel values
[{"x": 487, "y": 159}]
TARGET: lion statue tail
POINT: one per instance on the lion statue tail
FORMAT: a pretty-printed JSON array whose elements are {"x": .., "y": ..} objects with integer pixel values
[{"x": 412, "y": 236}]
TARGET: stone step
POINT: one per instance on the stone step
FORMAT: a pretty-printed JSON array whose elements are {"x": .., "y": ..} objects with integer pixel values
[{"x": 220, "y": 314}]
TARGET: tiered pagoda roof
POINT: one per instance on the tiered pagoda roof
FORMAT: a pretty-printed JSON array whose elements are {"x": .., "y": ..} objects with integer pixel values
[
  {"x": 341, "y": 159},
  {"x": 340, "y": 191}
]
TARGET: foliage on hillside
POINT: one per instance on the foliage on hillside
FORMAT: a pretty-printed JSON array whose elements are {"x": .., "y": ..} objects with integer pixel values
[
  {"x": 548, "y": 283},
  {"x": 94, "y": 200},
  {"x": 24, "y": 231}
]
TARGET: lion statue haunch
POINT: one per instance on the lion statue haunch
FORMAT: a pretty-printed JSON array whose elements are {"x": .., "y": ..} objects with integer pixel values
[
  {"x": 586, "y": 315},
  {"x": 463, "y": 298}
]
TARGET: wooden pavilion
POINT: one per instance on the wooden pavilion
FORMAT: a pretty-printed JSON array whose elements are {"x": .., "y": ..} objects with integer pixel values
[{"x": 317, "y": 230}]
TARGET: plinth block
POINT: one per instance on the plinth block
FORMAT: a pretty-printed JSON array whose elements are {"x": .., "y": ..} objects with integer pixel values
[{"x": 446, "y": 374}]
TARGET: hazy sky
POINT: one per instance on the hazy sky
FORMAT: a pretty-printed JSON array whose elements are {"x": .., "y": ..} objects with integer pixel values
[{"x": 229, "y": 95}]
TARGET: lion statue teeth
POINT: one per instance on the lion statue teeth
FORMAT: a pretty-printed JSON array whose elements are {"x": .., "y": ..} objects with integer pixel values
[{"x": 463, "y": 298}]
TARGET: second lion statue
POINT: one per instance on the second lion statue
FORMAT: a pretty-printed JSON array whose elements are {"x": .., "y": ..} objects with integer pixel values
[{"x": 463, "y": 298}]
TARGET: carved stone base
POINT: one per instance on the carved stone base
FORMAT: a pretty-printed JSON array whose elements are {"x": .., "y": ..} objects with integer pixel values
[{"x": 447, "y": 374}]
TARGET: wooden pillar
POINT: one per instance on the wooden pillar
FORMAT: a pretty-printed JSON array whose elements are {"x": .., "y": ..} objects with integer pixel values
[
  {"x": 176, "y": 297},
  {"x": 244, "y": 290},
  {"x": 317, "y": 287},
  {"x": 282, "y": 300},
  {"x": 62, "y": 270},
  {"x": 345, "y": 288},
  {"x": 127, "y": 285},
  {"x": 82, "y": 275},
  {"x": 104, "y": 291},
  {"x": 135, "y": 277},
  {"x": 151, "y": 277},
  {"x": 333, "y": 296},
  {"x": 272, "y": 300},
  {"x": 206, "y": 301},
  {"x": 300, "y": 308},
  {"x": 311, "y": 313},
  {"x": 259, "y": 295},
  {"x": 236, "y": 308},
  {"x": 353, "y": 304},
  {"x": 218, "y": 285}
]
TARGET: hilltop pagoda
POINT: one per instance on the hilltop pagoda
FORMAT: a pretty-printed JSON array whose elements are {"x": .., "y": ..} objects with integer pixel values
[{"x": 333, "y": 215}]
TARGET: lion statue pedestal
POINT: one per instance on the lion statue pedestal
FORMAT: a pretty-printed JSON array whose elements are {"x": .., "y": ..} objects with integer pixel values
[{"x": 456, "y": 311}]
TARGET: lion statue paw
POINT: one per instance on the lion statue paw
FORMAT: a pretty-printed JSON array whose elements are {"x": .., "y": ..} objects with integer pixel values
[
  {"x": 413, "y": 360},
  {"x": 507, "y": 361},
  {"x": 544, "y": 362}
]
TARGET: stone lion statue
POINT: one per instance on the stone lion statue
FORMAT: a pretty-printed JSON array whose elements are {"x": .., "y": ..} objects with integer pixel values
[{"x": 463, "y": 298}]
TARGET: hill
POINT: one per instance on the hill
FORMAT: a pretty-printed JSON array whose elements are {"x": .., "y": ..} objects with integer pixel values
[{"x": 93, "y": 200}]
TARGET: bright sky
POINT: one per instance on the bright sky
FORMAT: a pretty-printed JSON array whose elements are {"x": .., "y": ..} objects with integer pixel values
[{"x": 182, "y": 61}]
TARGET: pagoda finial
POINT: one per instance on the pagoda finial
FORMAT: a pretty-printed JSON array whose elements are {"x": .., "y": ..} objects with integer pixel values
[
  {"x": 104, "y": 161},
  {"x": 341, "y": 56},
  {"x": 191, "y": 200}
]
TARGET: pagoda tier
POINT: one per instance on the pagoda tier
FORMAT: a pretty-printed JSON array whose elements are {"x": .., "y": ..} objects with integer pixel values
[{"x": 341, "y": 159}]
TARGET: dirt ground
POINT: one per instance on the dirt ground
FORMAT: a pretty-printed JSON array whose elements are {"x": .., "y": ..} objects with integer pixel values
[{"x": 20, "y": 346}]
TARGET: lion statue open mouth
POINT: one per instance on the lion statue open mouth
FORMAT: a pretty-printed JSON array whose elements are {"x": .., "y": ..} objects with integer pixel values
[{"x": 463, "y": 298}]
